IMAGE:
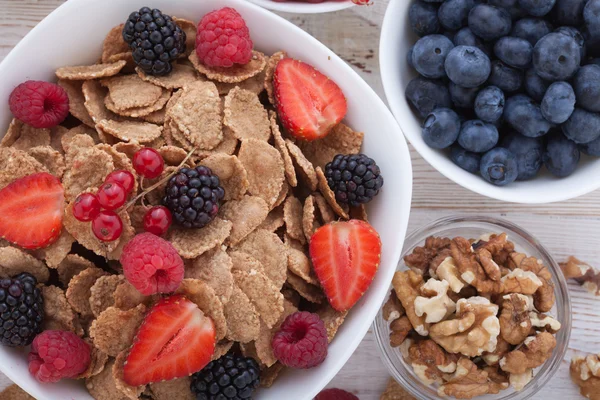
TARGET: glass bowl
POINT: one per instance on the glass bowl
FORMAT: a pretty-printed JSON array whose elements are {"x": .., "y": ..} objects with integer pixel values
[{"x": 474, "y": 227}]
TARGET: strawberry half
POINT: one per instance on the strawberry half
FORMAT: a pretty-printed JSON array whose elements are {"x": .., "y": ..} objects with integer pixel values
[
  {"x": 309, "y": 104},
  {"x": 345, "y": 257},
  {"x": 175, "y": 340},
  {"x": 31, "y": 211}
]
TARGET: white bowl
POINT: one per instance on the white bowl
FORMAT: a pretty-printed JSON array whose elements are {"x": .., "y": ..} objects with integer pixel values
[
  {"x": 301, "y": 7},
  {"x": 396, "y": 39},
  {"x": 73, "y": 35}
]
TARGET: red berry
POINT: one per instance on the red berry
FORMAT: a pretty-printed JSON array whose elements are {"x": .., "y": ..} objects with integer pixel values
[
  {"x": 39, "y": 104},
  {"x": 148, "y": 163},
  {"x": 86, "y": 207},
  {"x": 58, "y": 354},
  {"x": 111, "y": 195},
  {"x": 107, "y": 226},
  {"x": 152, "y": 265},
  {"x": 157, "y": 220},
  {"x": 123, "y": 178},
  {"x": 223, "y": 39},
  {"x": 301, "y": 342},
  {"x": 335, "y": 394}
]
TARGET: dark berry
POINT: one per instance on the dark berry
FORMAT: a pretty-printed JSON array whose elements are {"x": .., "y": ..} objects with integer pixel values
[
  {"x": 423, "y": 18},
  {"x": 507, "y": 78},
  {"x": 425, "y": 95},
  {"x": 537, "y": 8},
  {"x": 229, "y": 377},
  {"x": 462, "y": 97},
  {"x": 561, "y": 156},
  {"x": 489, "y": 22},
  {"x": 467, "y": 160},
  {"x": 478, "y": 136},
  {"x": 514, "y": 51},
  {"x": 569, "y": 12},
  {"x": 467, "y": 66},
  {"x": 535, "y": 86},
  {"x": 466, "y": 37},
  {"x": 489, "y": 104},
  {"x": 499, "y": 167},
  {"x": 525, "y": 116},
  {"x": 453, "y": 14},
  {"x": 558, "y": 102},
  {"x": 21, "y": 310},
  {"x": 441, "y": 128},
  {"x": 429, "y": 54},
  {"x": 556, "y": 57},
  {"x": 528, "y": 151},
  {"x": 587, "y": 87},
  {"x": 355, "y": 179},
  {"x": 531, "y": 29},
  {"x": 582, "y": 126}
]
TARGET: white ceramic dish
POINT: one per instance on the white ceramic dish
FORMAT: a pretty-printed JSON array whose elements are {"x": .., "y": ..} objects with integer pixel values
[
  {"x": 301, "y": 7},
  {"x": 396, "y": 39},
  {"x": 54, "y": 43}
]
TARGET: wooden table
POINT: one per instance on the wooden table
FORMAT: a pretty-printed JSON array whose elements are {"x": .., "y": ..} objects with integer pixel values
[{"x": 566, "y": 228}]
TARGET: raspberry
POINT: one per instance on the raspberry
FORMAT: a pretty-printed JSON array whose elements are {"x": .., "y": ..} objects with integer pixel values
[
  {"x": 58, "y": 354},
  {"x": 152, "y": 265},
  {"x": 223, "y": 39},
  {"x": 39, "y": 104},
  {"x": 335, "y": 394},
  {"x": 301, "y": 342}
]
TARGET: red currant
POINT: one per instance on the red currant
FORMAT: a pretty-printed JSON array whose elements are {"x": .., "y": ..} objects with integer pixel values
[
  {"x": 111, "y": 195},
  {"x": 148, "y": 163},
  {"x": 86, "y": 207},
  {"x": 157, "y": 220},
  {"x": 107, "y": 226},
  {"x": 123, "y": 178}
]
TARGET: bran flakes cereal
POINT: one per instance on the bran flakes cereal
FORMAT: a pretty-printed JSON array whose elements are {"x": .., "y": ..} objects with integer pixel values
[
  {"x": 253, "y": 84},
  {"x": 227, "y": 146},
  {"x": 299, "y": 264},
  {"x": 156, "y": 117},
  {"x": 234, "y": 74},
  {"x": 291, "y": 295},
  {"x": 310, "y": 292},
  {"x": 129, "y": 62},
  {"x": 16, "y": 164},
  {"x": 333, "y": 319},
  {"x": 77, "y": 106},
  {"x": 274, "y": 220},
  {"x": 76, "y": 138},
  {"x": 270, "y": 251},
  {"x": 58, "y": 314},
  {"x": 292, "y": 216},
  {"x": 246, "y": 116},
  {"x": 214, "y": 268},
  {"x": 70, "y": 266},
  {"x": 21, "y": 136},
  {"x": 305, "y": 168},
  {"x": 290, "y": 171},
  {"x": 172, "y": 155},
  {"x": 131, "y": 392},
  {"x": 14, "y": 392},
  {"x": 341, "y": 140},
  {"x": 87, "y": 72},
  {"x": 285, "y": 189},
  {"x": 200, "y": 293},
  {"x": 249, "y": 350},
  {"x": 329, "y": 195},
  {"x": 269, "y": 375},
  {"x": 293, "y": 243},
  {"x": 85, "y": 171},
  {"x": 264, "y": 166},
  {"x": 12, "y": 134},
  {"x": 270, "y": 71},
  {"x": 262, "y": 345},
  {"x": 129, "y": 149},
  {"x": 191, "y": 243},
  {"x": 56, "y": 135},
  {"x": 190, "y": 29},
  {"x": 245, "y": 214},
  {"x": 101, "y": 293},
  {"x": 130, "y": 131},
  {"x": 266, "y": 298},
  {"x": 232, "y": 174},
  {"x": 14, "y": 261},
  {"x": 221, "y": 348},
  {"x": 175, "y": 389},
  {"x": 51, "y": 159},
  {"x": 127, "y": 297},
  {"x": 102, "y": 386},
  {"x": 139, "y": 112},
  {"x": 309, "y": 220},
  {"x": 113, "y": 331},
  {"x": 181, "y": 76},
  {"x": 98, "y": 360},
  {"x": 114, "y": 43},
  {"x": 78, "y": 291},
  {"x": 94, "y": 95},
  {"x": 244, "y": 262},
  {"x": 325, "y": 211},
  {"x": 243, "y": 323},
  {"x": 54, "y": 254}
]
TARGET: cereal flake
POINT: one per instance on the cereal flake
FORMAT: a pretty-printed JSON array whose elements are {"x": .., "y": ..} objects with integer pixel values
[{"x": 246, "y": 116}]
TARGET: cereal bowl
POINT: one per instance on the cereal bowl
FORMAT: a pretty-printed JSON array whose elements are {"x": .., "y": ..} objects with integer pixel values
[
  {"x": 53, "y": 44},
  {"x": 475, "y": 227},
  {"x": 396, "y": 39},
  {"x": 303, "y": 7}
]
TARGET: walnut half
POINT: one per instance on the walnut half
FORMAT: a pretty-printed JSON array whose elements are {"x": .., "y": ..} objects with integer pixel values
[
  {"x": 585, "y": 373},
  {"x": 583, "y": 273},
  {"x": 535, "y": 351}
]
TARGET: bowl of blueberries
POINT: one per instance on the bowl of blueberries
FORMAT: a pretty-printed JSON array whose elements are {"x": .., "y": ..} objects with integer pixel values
[{"x": 500, "y": 96}]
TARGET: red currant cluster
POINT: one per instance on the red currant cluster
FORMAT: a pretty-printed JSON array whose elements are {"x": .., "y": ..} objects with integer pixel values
[{"x": 112, "y": 194}]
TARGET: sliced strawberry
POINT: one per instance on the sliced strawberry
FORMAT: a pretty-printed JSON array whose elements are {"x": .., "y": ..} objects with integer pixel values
[
  {"x": 309, "y": 104},
  {"x": 31, "y": 211},
  {"x": 345, "y": 256},
  {"x": 175, "y": 340}
]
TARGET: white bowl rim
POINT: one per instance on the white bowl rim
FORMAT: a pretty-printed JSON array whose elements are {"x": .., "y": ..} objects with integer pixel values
[{"x": 298, "y": 7}]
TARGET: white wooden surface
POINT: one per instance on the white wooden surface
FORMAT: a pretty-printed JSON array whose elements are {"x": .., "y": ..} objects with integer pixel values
[{"x": 566, "y": 228}]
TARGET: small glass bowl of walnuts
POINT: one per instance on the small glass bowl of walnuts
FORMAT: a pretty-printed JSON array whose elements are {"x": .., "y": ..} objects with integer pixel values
[{"x": 478, "y": 309}]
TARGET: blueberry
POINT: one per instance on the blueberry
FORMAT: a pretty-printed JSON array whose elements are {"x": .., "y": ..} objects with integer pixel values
[
  {"x": 556, "y": 57},
  {"x": 465, "y": 159},
  {"x": 506, "y": 78},
  {"x": 587, "y": 87},
  {"x": 582, "y": 127},
  {"x": 478, "y": 136},
  {"x": 441, "y": 128},
  {"x": 525, "y": 116},
  {"x": 512, "y": 6},
  {"x": 423, "y": 18},
  {"x": 592, "y": 148},
  {"x": 514, "y": 51},
  {"x": 591, "y": 16},
  {"x": 528, "y": 151},
  {"x": 462, "y": 97},
  {"x": 558, "y": 102},
  {"x": 466, "y": 37},
  {"x": 561, "y": 156},
  {"x": 467, "y": 66},
  {"x": 499, "y": 167},
  {"x": 489, "y": 22},
  {"x": 429, "y": 54},
  {"x": 594, "y": 61},
  {"x": 537, "y": 8},
  {"x": 489, "y": 104},
  {"x": 535, "y": 86},
  {"x": 575, "y": 34},
  {"x": 426, "y": 94},
  {"x": 569, "y": 12},
  {"x": 409, "y": 56},
  {"x": 453, "y": 14},
  {"x": 531, "y": 29}
]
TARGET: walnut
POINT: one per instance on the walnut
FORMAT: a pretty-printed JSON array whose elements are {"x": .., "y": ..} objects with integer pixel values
[
  {"x": 469, "y": 381},
  {"x": 584, "y": 377},
  {"x": 543, "y": 298},
  {"x": 421, "y": 257},
  {"x": 544, "y": 322},
  {"x": 583, "y": 273},
  {"x": 447, "y": 271},
  {"x": 519, "y": 381},
  {"x": 494, "y": 357},
  {"x": 474, "y": 330},
  {"x": 399, "y": 330},
  {"x": 407, "y": 284},
  {"x": 496, "y": 375},
  {"x": 515, "y": 323},
  {"x": 429, "y": 361},
  {"x": 436, "y": 305},
  {"x": 489, "y": 265},
  {"x": 437, "y": 260},
  {"x": 392, "y": 309},
  {"x": 498, "y": 245},
  {"x": 535, "y": 351},
  {"x": 470, "y": 269},
  {"x": 521, "y": 281}
]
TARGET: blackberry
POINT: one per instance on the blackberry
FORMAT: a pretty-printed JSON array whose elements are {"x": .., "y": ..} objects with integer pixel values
[
  {"x": 355, "y": 179},
  {"x": 21, "y": 310},
  {"x": 193, "y": 196},
  {"x": 154, "y": 39},
  {"x": 230, "y": 377}
]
